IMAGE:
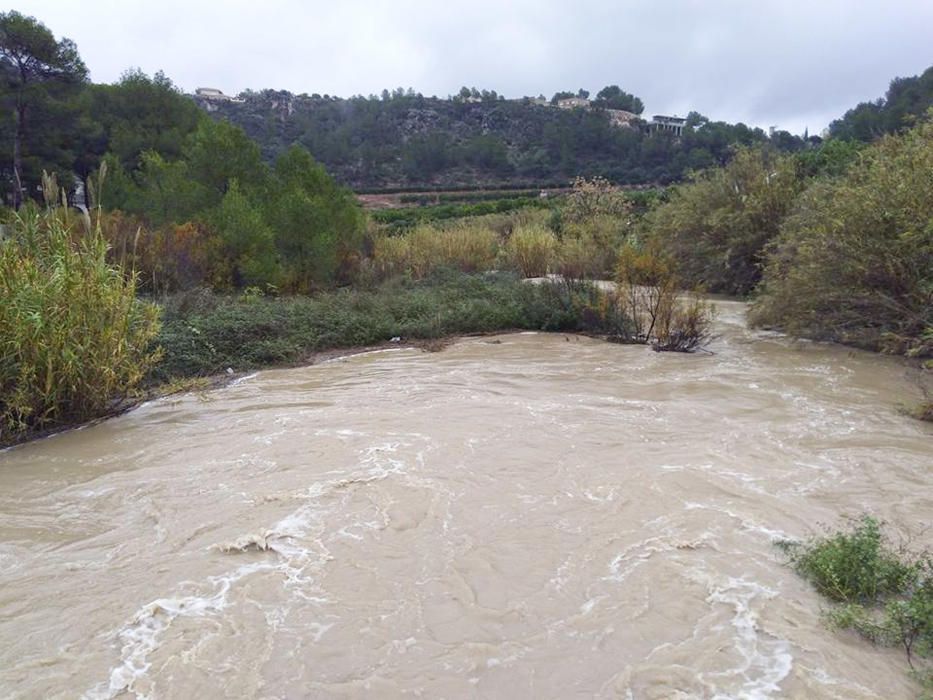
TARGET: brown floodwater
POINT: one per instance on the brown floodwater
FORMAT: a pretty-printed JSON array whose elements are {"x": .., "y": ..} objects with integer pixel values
[{"x": 526, "y": 516}]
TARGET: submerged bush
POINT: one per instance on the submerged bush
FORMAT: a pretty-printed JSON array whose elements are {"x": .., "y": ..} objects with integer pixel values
[
  {"x": 886, "y": 596},
  {"x": 853, "y": 566},
  {"x": 648, "y": 290},
  {"x": 73, "y": 336},
  {"x": 687, "y": 328}
]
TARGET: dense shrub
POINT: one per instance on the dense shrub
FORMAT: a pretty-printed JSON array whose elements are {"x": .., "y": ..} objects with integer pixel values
[
  {"x": 317, "y": 225},
  {"x": 854, "y": 263},
  {"x": 290, "y": 226},
  {"x": 883, "y": 594},
  {"x": 248, "y": 239},
  {"x": 717, "y": 225},
  {"x": 73, "y": 336}
]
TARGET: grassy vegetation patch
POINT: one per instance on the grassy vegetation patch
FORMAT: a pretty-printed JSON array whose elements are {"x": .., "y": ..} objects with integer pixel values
[
  {"x": 882, "y": 593},
  {"x": 74, "y": 339},
  {"x": 204, "y": 334}
]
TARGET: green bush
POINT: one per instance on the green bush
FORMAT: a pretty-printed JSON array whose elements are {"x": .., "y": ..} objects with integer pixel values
[
  {"x": 854, "y": 566},
  {"x": 317, "y": 225},
  {"x": 886, "y": 596},
  {"x": 854, "y": 262},
  {"x": 73, "y": 336},
  {"x": 249, "y": 240},
  {"x": 716, "y": 226}
]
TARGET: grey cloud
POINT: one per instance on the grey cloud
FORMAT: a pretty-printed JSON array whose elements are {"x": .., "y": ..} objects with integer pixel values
[{"x": 794, "y": 64}]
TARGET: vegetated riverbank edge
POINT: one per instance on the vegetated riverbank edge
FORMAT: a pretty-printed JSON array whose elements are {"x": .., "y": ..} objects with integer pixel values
[
  {"x": 221, "y": 380},
  {"x": 205, "y": 338}
]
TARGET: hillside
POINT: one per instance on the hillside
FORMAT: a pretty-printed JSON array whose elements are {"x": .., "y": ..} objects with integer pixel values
[
  {"x": 905, "y": 101},
  {"x": 405, "y": 140}
]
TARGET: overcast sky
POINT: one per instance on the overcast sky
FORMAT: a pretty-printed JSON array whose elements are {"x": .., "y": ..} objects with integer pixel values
[{"x": 794, "y": 64}]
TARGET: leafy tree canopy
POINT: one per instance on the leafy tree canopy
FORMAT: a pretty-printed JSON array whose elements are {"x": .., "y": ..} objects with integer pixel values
[
  {"x": 614, "y": 97},
  {"x": 905, "y": 102},
  {"x": 37, "y": 73}
]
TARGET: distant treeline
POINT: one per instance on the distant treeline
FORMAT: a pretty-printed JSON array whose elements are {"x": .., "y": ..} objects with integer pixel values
[
  {"x": 905, "y": 100},
  {"x": 506, "y": 186},
  {"x": 54, "y": 119},
  {"x": 408, "y": 216},
  {"x": 482, "y": 196},
  {"x": 405, "y": 140}
]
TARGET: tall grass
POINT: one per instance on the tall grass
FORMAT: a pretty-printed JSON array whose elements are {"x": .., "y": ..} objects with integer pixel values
[
  {"x": 589, "y": 248},
  {"x": 73, "y": 336},
  {"x": 466, "y": 247},
  {"x": 531, "y": 250}
]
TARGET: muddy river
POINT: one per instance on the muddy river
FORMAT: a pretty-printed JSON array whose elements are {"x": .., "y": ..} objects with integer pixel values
[{"x": 525, "y": 516}]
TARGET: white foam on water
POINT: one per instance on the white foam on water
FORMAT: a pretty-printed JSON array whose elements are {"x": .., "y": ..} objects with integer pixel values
[
  {"x": 243, "y": 379},
  {"x": 765, "y": 661},
  {"x": 847, "y": 689},
  {"x": 634, "y": 556},
  {"x": 747, "y": 525},
  {"x": 379, "y": 351},
  {"x": 142, "y": 635}
]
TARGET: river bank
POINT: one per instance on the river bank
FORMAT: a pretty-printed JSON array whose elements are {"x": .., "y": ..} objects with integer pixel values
[
  {"x": 209, "y": 340},
  {"x": 206, "y": 338}
]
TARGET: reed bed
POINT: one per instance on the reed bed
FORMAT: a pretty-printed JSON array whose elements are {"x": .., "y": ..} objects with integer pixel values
[{"x": 74, "y": 339}]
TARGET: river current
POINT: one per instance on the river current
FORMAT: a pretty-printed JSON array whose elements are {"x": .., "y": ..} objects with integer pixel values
[{"x": 519, "y": 516}]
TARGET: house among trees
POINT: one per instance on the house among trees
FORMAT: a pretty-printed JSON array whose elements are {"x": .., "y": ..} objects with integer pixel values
[
  {"x": 214, "y": 95},
  {"x": 573, "y": 103},
  {"x": 674, "y": 125}
]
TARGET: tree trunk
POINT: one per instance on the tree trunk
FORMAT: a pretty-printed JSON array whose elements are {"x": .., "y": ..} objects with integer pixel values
[{"x": 19, "y": 117}]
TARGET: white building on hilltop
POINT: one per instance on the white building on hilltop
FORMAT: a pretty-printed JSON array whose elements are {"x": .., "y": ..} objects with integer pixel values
[
  {"x": 573, "y": 103},
  {"x": 214, "y": 95},
  {"x": 674, "y": 125}
]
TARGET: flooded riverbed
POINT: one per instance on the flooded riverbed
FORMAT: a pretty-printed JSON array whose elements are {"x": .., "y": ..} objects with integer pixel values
[{"x": 530, "y": 515}]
